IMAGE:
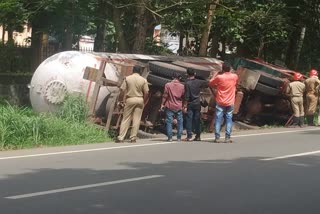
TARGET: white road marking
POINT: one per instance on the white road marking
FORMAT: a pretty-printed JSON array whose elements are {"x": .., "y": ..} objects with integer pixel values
[
  {"x": 270, "y": 133},
  {"x": 143, "y": 145},
  {"x": 29, "y": 195},
  {"x": 291, "y": 156},
  {"x": 84, "y": 150}
]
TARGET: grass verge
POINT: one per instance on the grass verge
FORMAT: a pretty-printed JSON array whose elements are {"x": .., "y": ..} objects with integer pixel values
[{"x": 22, "y": 128}]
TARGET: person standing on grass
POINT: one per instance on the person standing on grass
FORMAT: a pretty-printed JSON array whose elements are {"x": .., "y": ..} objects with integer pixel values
[
  {"x": 226, "y": 85},
  {"x": 172, "y": 103},
  {"x": 192, "y": 106},
  {"x": 136, "y": 89}
]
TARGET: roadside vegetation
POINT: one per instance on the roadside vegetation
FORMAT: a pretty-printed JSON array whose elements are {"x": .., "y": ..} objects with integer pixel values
[{"x": 22, "y": 128}]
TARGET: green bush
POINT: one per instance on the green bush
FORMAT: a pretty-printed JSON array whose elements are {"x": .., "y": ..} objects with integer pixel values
[
  {"x": 74, "y": 109},
  {"x": 22, "y": 128}
]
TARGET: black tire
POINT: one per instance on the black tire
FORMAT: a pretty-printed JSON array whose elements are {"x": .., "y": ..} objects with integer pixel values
[
  {"x": 165, "y": 69},
  {"x": 267, "y": 89},
  {"x": 201, "y": 71},
  {"x": 270, "y": 80},
  {"x": 157, "y": 81},
  {"x": 145, "y": 135}
]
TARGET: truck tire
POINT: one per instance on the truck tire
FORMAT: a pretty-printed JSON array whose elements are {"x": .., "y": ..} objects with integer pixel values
[
  {"x": 165, "y": 69},
  {"x": 270, "y": 80},
  {"x": 267, "y": 89},
  {"x": 145, "y": 135},
  {"x": 157, "y": 81},
  {"x": 201, "y": 71}
]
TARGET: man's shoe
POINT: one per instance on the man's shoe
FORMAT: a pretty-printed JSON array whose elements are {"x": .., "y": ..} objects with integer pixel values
[
  {"x": 178, "y": 139},
  {"x": 133, "y": 141},
  {"x": 169, "y": 140},
  {"x": 119, "y": 141},
  {"x": 228, "y": 140},
  {"x": 197, "y": 139},
  {"x": 217, "y": 140},
  {"x": 187, "y": 139}
]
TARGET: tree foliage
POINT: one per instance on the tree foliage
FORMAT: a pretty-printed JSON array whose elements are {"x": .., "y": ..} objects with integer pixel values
[{"x": 286, "y": 30}]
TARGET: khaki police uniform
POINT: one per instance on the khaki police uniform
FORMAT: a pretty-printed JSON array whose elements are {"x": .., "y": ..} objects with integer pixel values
[
  {"x": 311, "y": 97},
  {"x": 135, "y": 87},
  {"x": 296, "y": 90}
]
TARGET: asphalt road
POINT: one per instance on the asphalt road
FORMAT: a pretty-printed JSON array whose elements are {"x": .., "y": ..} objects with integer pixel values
[{"x": 269, "y": 172}]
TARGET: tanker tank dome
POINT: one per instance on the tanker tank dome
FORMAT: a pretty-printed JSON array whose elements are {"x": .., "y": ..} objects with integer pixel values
[{"x": 62, "y": 74}]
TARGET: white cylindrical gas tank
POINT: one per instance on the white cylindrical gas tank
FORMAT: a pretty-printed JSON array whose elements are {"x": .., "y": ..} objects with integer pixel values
[{"x": 62, "y": 73}]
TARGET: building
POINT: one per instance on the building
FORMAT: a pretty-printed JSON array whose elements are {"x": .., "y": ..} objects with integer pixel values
[
  {"x": 162, "y": 35},
  {"x": 22, "y": 38}
]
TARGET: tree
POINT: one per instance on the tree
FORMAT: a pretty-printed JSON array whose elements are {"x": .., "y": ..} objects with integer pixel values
[
  {"x": 13, "y": 16},
  {"x": 206, "y": 30},
  {"x": 251, "y": 25},
  {"x": 304, "y": 19}
]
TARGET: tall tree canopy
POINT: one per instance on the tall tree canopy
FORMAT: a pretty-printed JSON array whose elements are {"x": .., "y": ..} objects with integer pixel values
[{"x": 286, "y": 30}]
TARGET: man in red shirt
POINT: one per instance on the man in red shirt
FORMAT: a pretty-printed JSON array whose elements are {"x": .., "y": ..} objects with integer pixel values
[
  {"x": 172, "y": 101},
  {"x": 225, "y": 84}
]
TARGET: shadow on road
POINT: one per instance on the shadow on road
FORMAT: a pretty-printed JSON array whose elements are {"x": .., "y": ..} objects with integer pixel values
[{"x": 240, "y": 186}]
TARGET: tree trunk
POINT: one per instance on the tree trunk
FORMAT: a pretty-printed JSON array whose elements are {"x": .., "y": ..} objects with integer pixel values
[
  {"x": 299, "y": 45},
  {"x": 101, "y": 33},
  {"x": 140, "y": 31},
  {"x": 3, "y": 32},
  {"x": 261, "y": 46},
  {"x": 122, "y": 42},
  {"x": 36, "y": 47},
  {"x": 214, "y": 44},
  {"x": 68, "y": 36},
  {"x": 187, "y": 41},
  {"x": 101, "y": 26},
  {"x": 151, "y": 24},
  {"x": 223, "y": 52},
  {"x": 10, "y": 36},
  {"x": 295, "y": 46},
  {"x": 206, "y": 31},
  {"x": 180, "y": 50}
]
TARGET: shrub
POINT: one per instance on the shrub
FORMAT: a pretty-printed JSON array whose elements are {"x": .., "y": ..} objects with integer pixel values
[
  {"x": 74, "y": 108},
  {"x": 22, "y": 128}
]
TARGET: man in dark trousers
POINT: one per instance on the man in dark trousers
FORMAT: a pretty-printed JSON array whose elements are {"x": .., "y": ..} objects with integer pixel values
[
  {"x": 192, "y": 105},
  {"x": 172, "y": 103},
  {"x": 225, "y": 84}
]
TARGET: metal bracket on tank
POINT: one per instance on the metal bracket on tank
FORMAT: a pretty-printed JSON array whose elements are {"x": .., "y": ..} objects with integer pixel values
[{"x": 55, "y": 92}]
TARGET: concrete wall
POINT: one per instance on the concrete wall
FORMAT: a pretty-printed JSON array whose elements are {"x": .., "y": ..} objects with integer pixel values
[{"x": 17, "y": 94}]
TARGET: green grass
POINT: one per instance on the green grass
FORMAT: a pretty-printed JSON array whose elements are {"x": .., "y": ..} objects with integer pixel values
[{"x": 22, "y": 128}]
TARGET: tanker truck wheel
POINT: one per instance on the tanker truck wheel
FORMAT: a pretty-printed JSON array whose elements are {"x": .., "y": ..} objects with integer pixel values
[
  {"x": 157, "y": 81},
  {"x": 270, "y": 80},
  {"x": 145, "y": 135},
  {"x": 165, "y": 69},
  {"x": 141, "y": 134},
  {"x": 201, "y": 71},
  {"x": 267, "y": 89}
]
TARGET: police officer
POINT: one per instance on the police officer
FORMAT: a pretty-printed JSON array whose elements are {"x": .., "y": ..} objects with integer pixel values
[
  {"x": 311, "y": 95},
  {"x": 136, "y": 88},
  {"x": 296, "y": 90}
]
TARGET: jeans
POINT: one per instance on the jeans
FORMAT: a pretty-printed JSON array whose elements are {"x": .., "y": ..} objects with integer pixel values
[
  {"x": 193, "y": 121},
  {"x": 169, "y": 120},
  {"x": 220, "y": 111}
]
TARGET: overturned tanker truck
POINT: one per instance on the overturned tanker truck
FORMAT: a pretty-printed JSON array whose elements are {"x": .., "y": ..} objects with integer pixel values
[{"x": 260, "y": 97}]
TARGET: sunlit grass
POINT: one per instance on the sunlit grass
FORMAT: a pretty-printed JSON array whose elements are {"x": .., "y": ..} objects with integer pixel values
[{"x": 22, "y": 128}]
